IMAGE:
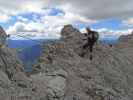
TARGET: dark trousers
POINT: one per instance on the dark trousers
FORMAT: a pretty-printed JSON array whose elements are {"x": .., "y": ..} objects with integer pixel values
[{"x": 90, "y": 45}]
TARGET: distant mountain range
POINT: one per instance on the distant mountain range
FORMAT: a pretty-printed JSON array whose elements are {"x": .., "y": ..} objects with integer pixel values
[
  {"x": 29, "y": 51},
  {"x": 109, "y": 40}
]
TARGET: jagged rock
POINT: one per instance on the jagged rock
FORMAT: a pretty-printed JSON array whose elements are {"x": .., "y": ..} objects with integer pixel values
[
  {"x": 3, "y": 36},
  {"x": 126, "y": 38},
  {"x": 107, "y": 77},
  {"x": 14, "y": 83},
  {"x": 4, "y": 81},
  {"x": 62, "y": 74},
  {"x": 56, "y": 87},
  {"x": 52, "y": 85}
]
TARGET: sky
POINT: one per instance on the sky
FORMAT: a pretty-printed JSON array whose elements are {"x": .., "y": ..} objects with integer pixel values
[{"x": 45, "y": 18}]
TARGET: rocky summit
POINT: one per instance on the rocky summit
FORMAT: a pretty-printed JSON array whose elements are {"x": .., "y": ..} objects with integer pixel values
[
  {"x": 62, "y": 74},
  {"x": 72, "y": 77}
]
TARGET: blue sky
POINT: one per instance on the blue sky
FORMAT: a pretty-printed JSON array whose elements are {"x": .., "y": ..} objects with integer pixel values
[{"x": 45, "y": 18}]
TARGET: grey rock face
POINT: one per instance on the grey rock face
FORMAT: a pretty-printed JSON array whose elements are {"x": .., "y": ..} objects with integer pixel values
[
  {"x": 14, "y": 84},
  {"x": 3, "y": 36},
  {"x": 107, "y": 77},
  {"x": 62, "y": 74}
]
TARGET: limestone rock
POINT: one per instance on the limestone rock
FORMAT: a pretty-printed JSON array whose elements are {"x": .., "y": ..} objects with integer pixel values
[
  {"x": 14, "y": 83},
  {"x": 3, "y": 36},
  {"x": 62, "y": 74},
  {"x": 107, "y": 77}
]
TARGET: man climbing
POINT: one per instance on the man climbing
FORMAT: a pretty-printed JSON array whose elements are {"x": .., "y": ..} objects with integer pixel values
[{"x": 91, "y": 39}]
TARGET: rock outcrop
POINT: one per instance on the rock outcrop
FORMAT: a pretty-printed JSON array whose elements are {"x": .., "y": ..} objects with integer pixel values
[
  {"x": 14, "y": 83},
  {"x": 64, "y": 75},
  {"x": 2, "y": 36}
]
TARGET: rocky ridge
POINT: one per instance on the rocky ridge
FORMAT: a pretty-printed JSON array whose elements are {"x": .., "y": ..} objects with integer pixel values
[
  {"x": 62, "y": 74},
  {"x": 71, "y": 77},
  {"x": 14, "y": 83}
]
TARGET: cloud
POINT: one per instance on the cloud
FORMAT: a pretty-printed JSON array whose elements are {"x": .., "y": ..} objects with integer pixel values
[
  {"x": 106, "y": 33},
  {"x": 4, "y": 18},
  {"x": 47, "y": 17},
  {"x": 34, "y": 30},
  {"x": 46, "y": 23},
  {"x": 97, "y": 9},
  {"x": 128, "y": 22},
  {"x": 20, "y": 27},
  {"x": 78, "y": 18},
  {"x": 43, "y": 19},
  {"x": 92, "y": 9},
  {"x": 20, "y": 18},
  {"x": 14, "y": 7}
]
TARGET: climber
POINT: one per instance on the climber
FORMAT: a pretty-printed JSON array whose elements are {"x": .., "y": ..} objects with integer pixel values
[{"x": 91, "y": 39}]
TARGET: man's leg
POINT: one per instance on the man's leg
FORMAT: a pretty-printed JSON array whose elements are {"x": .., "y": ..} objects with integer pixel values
[
  {"x": 83, "y": 52},
  {"x": 91, "y": 56},
  {"x": 91, "y": 48},
  {"x": 86, "y": 45},
  {"x": 84, "y": 49}
]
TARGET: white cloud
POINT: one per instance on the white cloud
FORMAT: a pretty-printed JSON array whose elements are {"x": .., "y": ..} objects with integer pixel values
[
  {"x": 104, "y": 32},
  {"x": 35, "y": 26},
  {"x": 18, "y": 27},
  {"x": 77, "y": 18},
  {"x": 22, "y": 19},
  {"x": 14, "y": 7},
  {"x": 128, "y": 22},
  {"x": 33, "y": 6},
  {"x": 108, "y": 33},
  {"x": 87, "y": 12},
  {"x": 50, "y": 25},
  {"x": 94, "y": 9},
  {"x": 25, "y": 27},
  {"x": 97, "y": 9},
  {"x": 4, "y": 18},
  {"x": 55, "y": 23},
  {"x": 34, "y": 30}
]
